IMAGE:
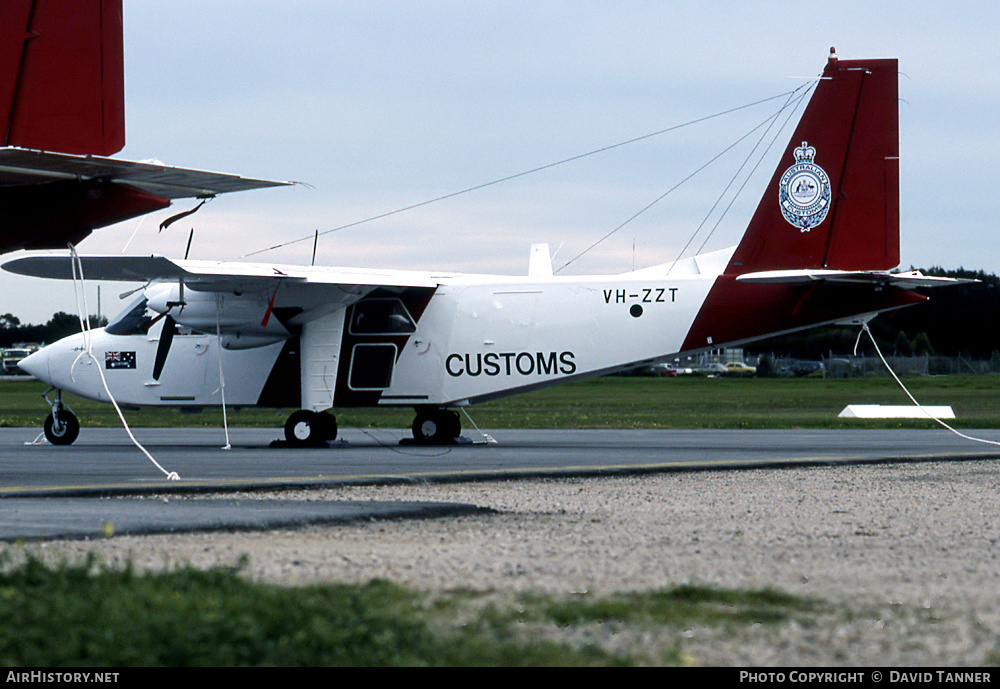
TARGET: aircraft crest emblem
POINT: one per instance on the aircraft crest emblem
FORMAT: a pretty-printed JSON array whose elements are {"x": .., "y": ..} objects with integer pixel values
[{"x": 804, "y": 191}]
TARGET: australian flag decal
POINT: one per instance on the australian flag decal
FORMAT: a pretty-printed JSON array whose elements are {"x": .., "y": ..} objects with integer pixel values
[{"x": 118, "y": 360}]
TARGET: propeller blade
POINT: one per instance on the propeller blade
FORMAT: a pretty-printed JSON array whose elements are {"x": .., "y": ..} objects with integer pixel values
[{"x": 163, "y": 347}]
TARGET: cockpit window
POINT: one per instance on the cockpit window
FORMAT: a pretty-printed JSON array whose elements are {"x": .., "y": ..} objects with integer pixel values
[{"x": 132, "y": 321}]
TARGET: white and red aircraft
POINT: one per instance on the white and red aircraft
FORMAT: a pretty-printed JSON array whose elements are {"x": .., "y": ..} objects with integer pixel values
[{"x": 818, "y": 250}]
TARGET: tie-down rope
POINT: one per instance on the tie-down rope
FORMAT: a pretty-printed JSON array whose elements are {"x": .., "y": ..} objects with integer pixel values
[
  {"x": 864, "y": 329},
  {"x": 81, "y": 308}
]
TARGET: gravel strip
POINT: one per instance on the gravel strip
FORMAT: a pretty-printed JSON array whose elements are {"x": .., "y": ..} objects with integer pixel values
[{"x": 915, "y": 543}]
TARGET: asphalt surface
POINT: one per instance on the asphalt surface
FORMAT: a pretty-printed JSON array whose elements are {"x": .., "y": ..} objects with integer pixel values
[{"x": 49, "y": 492}]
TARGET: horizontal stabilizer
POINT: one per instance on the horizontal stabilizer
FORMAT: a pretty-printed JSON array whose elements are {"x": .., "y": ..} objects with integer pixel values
[
  {"x": 909, "y": 280},
  {"x": 19, "y": 166}
]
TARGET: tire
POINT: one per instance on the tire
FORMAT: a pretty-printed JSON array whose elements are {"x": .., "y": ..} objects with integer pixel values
[
  {"x": 327, "y": 424},
  {"x": 425, "y": 428},
  {"x": 302, "y": 428},
  {"x": 436, "y": 427},
  {"x": 452, "y": 423},
  {"x": 63, "y": 433}
]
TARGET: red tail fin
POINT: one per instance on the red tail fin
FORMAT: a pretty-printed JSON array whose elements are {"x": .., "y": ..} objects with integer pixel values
[
  {"x": 833, "y": 204},
  {"x": 834, "y": 199},
  {"x": 62, "y": 77}
]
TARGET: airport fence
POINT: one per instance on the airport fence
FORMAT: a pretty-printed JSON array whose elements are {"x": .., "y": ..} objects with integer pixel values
[{"x": 870, "y": 365}]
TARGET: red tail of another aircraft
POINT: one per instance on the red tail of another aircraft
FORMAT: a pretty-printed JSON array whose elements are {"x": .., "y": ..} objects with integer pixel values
[
  {"x": 62, "y": 83},
  {"x": 62, "y": 99}
]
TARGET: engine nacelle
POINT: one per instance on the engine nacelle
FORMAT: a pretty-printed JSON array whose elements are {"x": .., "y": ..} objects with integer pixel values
[
  {"x": 242, "y": 319},
  {"x": 241, "y": 341}
]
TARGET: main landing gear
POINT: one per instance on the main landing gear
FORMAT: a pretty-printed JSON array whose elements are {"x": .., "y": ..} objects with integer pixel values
[
  {"x": 61, "y": 426},
  {"x": 436, "y": 427},
  {"x": 307, "y": 428},
  {"x": 432, "y": 426}
]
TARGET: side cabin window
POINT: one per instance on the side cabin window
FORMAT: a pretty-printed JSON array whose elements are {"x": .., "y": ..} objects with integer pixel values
[
  {"x": 371, "y": 366},
  {"x": 382, "y": 317}
]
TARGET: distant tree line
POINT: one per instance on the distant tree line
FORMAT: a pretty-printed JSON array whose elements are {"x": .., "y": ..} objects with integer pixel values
[
  {"x": 12, "y": 331},
  {"x": 962, "y": 320}
]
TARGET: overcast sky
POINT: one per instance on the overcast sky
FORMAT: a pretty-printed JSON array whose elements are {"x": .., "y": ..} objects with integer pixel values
[{"x": 376, "y": 106}]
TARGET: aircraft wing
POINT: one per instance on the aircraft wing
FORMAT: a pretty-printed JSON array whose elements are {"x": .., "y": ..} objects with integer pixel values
[
  {"x": 51, "y": 199},
  {"x": 213, "y": 276},
  {"x": 301, "y": 292},
  {"x": 908, "y": 280},
  {"x": 20, "y": 166}
]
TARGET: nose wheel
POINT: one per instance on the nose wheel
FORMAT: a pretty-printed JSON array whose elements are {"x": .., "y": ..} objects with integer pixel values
[{"x": 61, "y": 426}]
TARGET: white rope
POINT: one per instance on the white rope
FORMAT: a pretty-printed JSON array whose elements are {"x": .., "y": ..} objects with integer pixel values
[
  {"x": 222, "y": 378},
  {"x": 864, "y": 329},
  {"x": 81, "y": 303},
  {"x": 38, "y": 440},
  {"x": 486, "y": 436}
]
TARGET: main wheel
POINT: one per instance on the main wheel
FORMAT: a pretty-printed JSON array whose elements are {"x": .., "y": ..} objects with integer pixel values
[
  {"x": 452, "y": 423},
  {"x": 436, "y": 426},
  {"x": 327, "y": 424},
  {"x": 62, "y": 430},
  {"x": 301, "y": 428},
  {"x": 306, "y": 427}
]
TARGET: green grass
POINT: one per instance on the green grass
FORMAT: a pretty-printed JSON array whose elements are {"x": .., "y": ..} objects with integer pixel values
[
  {"x": 90, "y": 615},
  {"x": 698, "y": 402},
  {"x": 610, "y": 402},
  {"x": 684, "y": 605}
]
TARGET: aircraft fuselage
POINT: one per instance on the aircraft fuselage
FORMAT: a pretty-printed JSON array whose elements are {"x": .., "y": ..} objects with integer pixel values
[{"x": 459, "y": 343}]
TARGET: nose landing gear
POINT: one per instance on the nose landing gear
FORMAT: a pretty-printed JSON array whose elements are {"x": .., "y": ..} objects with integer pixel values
[{"x": 61, "y": 426}]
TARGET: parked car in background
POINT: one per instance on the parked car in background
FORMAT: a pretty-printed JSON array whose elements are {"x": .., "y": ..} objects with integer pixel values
[
  {"x": 809, "y": 368},
  {"x": 10, "y": 358},
  {"x": 738, "y": 368},
  {"x": 803, "y": 368},
  {"x": 660, "y": 370},
  {"x": 710, "y": 369}
]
